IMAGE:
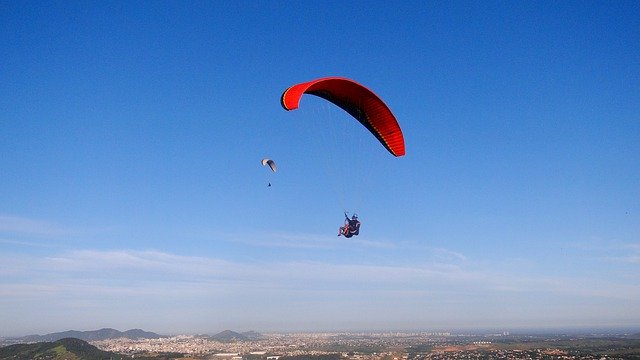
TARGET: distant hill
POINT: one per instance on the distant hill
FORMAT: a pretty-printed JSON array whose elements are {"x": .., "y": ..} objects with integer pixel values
[
  {"x": 252, "y": 335},
  {"x": 94, "y": 335},
  {"x": 63, "y": 349},
  {"x": 228, "y": 336},
  {"x": 141, "y": 334},
  {"x": 232, "y": 336}
]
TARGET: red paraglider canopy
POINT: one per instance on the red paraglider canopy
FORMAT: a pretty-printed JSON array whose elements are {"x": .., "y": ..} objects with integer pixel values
[{"x": 358, "y": 101}]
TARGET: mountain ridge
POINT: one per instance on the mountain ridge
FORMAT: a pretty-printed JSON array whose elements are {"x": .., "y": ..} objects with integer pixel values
[{"x": 92, "y": 335}]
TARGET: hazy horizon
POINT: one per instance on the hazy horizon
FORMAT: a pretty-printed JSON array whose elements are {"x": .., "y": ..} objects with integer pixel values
[{"x": 466, "y": 331}]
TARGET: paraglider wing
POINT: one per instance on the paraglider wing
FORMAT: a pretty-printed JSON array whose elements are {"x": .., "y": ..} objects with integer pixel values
[
  {"x": 358, "y": 101},
  {"x": 270, "y": 163}
]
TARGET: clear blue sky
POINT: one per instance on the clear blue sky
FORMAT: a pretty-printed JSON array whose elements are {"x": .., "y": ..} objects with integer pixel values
[{"x": 132, "y": 195}]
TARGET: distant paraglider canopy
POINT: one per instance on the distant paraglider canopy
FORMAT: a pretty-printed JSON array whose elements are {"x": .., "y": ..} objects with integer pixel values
[
  {"x": 270, "y": 163},
  {"x": 358, "y": 101},
  {"x": 272, "y": 166}
]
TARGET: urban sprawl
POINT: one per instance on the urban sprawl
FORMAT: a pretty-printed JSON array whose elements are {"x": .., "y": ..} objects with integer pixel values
[{"x": 354, "y": 346}]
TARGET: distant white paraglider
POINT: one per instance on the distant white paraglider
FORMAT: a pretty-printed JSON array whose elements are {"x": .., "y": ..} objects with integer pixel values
[
  {"x": 270, "y": 163},
  {"x": 272, "y": 166}
]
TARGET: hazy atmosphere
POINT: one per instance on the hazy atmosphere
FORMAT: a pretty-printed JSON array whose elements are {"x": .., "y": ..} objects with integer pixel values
[{"x": 132, "y": 193}]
